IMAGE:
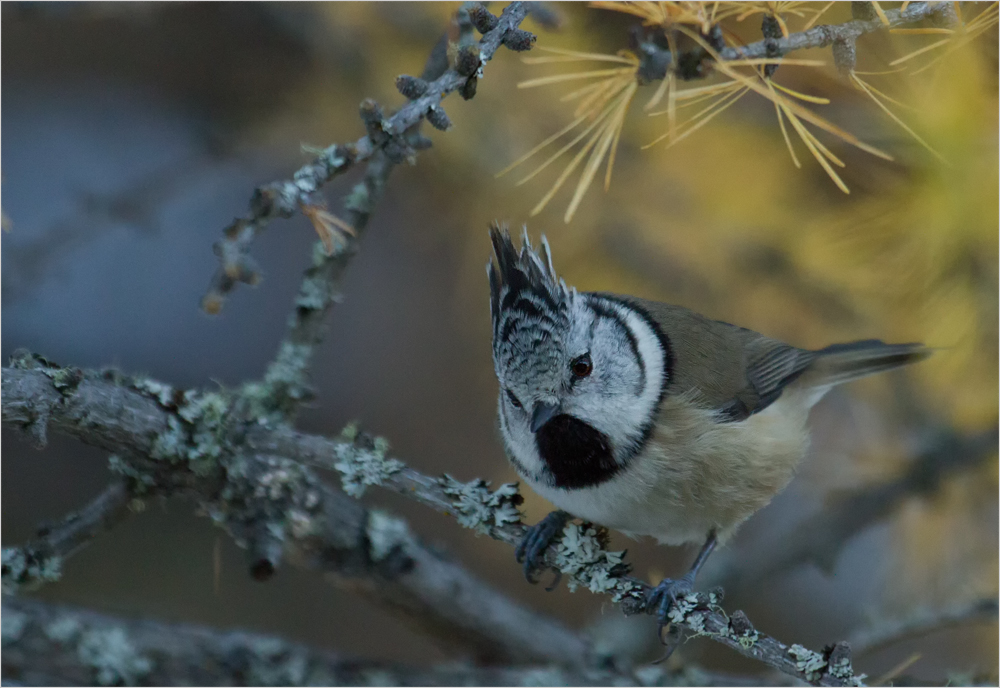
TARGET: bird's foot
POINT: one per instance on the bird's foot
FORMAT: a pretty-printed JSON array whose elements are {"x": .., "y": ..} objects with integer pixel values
[
  {"x": 665, "y": 595},
  {"x": 537, "y": 540}
]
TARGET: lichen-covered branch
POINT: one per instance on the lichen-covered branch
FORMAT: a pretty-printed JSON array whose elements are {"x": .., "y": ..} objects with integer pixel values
[
  {"x": 45, "y": 644},
  {"x": 820, "y": 538},
  {"x": 40, "y": 560},
  {"x": 396, "y": 137},
  {"x": 657, "y": 59},
  {"x": 249, "y": 474},
  {"x": 190, "y": 443},
  {"x": 48, "y": 644}
]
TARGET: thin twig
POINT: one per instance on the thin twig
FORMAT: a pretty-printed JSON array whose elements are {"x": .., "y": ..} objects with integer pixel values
[
  {"x": 923, "y": 622},
  {"x": 39, "y": 561},
  {"x": 393, "y": 136}
]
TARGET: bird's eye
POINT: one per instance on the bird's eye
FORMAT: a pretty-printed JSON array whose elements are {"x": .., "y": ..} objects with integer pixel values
[
  {"x": 581, "y": 366},
  {"x": 513, "y": 399}
]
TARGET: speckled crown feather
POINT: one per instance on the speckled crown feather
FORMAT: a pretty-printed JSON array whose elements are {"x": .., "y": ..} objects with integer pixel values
[{"x": 528, "y": 302}]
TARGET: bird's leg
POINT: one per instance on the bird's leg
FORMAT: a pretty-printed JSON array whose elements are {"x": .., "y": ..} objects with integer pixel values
[
  {"x": 664, "y": 595},
  {"x": 537, "y": 540}
]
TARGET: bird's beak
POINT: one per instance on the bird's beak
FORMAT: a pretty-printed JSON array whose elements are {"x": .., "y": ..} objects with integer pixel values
[{"x": 542, "y": 414}]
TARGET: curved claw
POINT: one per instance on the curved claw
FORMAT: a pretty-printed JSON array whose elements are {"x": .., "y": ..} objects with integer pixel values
[
  {"x": 664, "y": 596},
  {"x": 536, "y": 541}
]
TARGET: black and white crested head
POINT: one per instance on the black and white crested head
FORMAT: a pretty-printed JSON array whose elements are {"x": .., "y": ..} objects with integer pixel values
[
  {"x": 530, "y": 308},
  {"x": 580, "y": 374}
]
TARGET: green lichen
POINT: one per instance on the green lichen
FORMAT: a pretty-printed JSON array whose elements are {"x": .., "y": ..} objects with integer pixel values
[
  {"x": 385, "y": 533},
  {"x": 160, "y": 391},
  {"x": 141, "y": 480},
  {"x": 274, "y": 663},
  {"x": 113, "y": 657},
  {"x": 314, "y": 293},
  {"x": 581, "y": 554},
  {"x": 12, "y": 625},
  {"x": 478, "y": 507},
  {"x": 360, "y": 468},
  {"x": 63, "y": 629},
  {"x": 288, "y": 367},
  {"x": 810, "y": 663},
  {"x": 25, "y": 568}
]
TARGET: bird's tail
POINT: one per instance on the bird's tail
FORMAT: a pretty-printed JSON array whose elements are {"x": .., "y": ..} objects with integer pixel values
[{"x": 844, "y": 362}]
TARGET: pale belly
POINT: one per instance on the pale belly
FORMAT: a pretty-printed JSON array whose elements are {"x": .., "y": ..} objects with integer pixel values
[{"x": 695, "y": 474}]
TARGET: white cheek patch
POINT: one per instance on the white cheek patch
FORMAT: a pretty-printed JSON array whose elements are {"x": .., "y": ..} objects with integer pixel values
[{"x": 626, "y": 418}]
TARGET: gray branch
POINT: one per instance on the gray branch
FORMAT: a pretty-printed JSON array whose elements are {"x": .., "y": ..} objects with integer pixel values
[
  {"x": 655, "y": 59},
  {"x": 184, "y": 443},
  {"x": 40, "y": 560},
  {"x": 249, "y": 476},
  {"x": 395, "y": 137},
  {"x": 45, "y": 644}
]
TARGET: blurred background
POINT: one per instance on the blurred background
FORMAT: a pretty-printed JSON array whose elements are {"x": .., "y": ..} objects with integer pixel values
[{"x": 133, "y": 133}]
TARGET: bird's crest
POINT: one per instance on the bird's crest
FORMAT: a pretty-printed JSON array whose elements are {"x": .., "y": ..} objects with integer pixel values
[{"x": 525, "y": 291}]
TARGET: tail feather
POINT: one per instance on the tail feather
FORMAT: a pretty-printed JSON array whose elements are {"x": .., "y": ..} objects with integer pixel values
[{"x": 844, "y": 362}]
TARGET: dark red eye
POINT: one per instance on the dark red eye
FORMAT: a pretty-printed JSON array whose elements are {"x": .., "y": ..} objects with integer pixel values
[{"x": 581, "y": 366}]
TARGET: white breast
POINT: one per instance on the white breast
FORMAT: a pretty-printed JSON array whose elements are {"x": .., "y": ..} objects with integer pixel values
[{"x": 696, "y": 474}]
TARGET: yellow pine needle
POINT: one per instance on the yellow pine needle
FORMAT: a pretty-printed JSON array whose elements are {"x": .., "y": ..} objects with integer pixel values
[
  {"x": 883, "y": 72},
  {"x": 569, "y": 127},
  {"x": 672, "y": 111},
  {"x": 781, "y": 24},
  {"x": 801, "y": 96},
  {"x": 980, "y": 28},
  {"x": 776, "y": 61},
  {"x": 607, "y": 139},
  {"x": 596, "y": 100},
  {"x": 600, "y": 118},
  {"x": 920, "y": 51},
  {"x": 721, "y": 105},
  {"x": 581, "y": 92},
  {"x": 696, "y": 95},
  {"x": 816, "y": 16},
  {"x": 614, "y": 144},
  {"x": 664, "y": 86},
  {"x": 881, "y": 14},
  {"x": 563, "y": 177},
  {"x": 784, "y": 131},
  {"x": 887, "y": 678},
  {"x": 883, "y": 96},
  {"x": 902, "y": 8},
  {"x": 790, "y": 106},
  {"x": 920, "y": 32},
  {"x": 559, "y": 78},
  {"x": 808, "y": 139},
  {"x": 869, "y": 90},
  {"x": 575, "y": 56}
]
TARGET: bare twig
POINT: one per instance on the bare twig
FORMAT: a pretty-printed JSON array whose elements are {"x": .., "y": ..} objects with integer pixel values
[
  {"x": 923, "y": 622},
  {"x": 188, "y": 443},
  {"x": 39, "y": 560},
  {"x": 394, "y": 136},
  {"x": 246, "y": 473}
]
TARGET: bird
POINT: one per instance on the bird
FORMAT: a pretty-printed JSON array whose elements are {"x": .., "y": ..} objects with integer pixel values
[{"x": 646, "y": 417}]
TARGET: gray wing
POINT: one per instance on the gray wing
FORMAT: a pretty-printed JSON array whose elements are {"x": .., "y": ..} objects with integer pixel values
[{"x": 731, "y": 369}]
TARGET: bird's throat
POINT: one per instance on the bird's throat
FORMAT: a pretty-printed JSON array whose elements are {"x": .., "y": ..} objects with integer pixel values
[{"x": 576, "y": 454}]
